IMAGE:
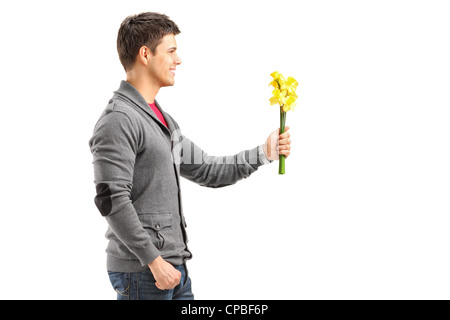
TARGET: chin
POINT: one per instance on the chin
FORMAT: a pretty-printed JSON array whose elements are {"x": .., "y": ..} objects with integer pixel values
[{"x": 168, "y": 84}]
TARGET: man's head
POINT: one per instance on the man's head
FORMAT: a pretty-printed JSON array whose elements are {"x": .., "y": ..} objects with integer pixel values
[{"x": 148, "y": 40}]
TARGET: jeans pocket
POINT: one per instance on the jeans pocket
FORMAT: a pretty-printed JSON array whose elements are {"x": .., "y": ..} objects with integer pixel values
[{"x": 120, "y": 282}]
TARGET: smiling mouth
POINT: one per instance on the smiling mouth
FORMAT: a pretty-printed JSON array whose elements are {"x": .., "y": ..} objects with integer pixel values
[{"x": 172, "y": 71}]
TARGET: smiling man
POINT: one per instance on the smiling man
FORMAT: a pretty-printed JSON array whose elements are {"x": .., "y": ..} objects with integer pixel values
[{"x": 139, "y": 155}]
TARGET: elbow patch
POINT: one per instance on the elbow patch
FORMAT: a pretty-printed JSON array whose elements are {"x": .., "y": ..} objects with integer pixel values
[{"x": 103, "y": 199}]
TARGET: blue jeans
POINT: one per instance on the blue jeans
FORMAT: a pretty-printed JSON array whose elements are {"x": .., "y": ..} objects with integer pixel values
[{"x": 141, "y": 286}]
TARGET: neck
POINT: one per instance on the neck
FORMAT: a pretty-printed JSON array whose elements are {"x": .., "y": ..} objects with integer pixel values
[{"x": 146, "y": 86}]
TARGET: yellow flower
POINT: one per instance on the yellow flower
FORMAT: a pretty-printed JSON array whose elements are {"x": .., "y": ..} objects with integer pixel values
[
  {"x": 284, "y": 92},
  {"x": 291, "y": 85},
  {"x": 275, "y": 75},
  {"x": 278, "y": 81},
  {"x": 278, "y": 96},
  {"x": 289, "y": 104},
  {"x": 275, "y": 84}
]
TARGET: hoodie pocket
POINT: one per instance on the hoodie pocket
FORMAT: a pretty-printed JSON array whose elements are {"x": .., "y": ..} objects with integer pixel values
[{"x": 158, "y": 226}]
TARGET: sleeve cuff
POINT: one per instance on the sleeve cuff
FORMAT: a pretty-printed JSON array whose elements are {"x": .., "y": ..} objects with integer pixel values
[{"x": 262, "y": 156}]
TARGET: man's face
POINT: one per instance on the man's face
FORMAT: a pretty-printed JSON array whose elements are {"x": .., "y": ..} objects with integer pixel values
[{"x": 163, "y": 64}]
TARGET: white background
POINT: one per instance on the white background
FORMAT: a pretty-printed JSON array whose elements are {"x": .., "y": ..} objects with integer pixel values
[{"x": 363, "y": 210}]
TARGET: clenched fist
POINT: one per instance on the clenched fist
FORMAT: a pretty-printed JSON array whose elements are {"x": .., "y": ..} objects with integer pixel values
[
  {"x": 277, "y": 144},
  {"x": 166, "y": 276}
]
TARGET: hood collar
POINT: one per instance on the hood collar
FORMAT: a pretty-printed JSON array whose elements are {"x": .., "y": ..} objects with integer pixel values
[{"x": 130, "y": 93}]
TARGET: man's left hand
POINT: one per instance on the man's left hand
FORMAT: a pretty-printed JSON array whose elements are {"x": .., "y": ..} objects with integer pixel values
[{"x": 277, "y": 144}]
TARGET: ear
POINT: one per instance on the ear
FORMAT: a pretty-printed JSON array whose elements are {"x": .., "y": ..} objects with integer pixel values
[{"x": 144, "y": 55}]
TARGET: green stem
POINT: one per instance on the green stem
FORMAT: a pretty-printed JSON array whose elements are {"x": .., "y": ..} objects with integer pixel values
[{"x": 281, "y": 168}]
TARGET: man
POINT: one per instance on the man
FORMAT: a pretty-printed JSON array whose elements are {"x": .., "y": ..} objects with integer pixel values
[{"x": 139, "y": 155}]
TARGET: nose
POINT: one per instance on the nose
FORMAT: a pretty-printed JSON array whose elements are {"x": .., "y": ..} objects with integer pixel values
[{"x": 177, "y": 59}]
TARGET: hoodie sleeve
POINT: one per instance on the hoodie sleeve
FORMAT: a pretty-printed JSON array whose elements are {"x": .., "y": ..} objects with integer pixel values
[
  {"x": 215, "y": 172},
  {"x": 114, "y": 145}
]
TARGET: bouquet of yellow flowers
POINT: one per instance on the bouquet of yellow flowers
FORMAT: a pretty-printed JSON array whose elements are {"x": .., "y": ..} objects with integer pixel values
[{"x": 284, "y": 95}]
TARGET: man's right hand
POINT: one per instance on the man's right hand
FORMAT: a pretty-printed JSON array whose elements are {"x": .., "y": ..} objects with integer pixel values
[{"x": 166, "y": 276}]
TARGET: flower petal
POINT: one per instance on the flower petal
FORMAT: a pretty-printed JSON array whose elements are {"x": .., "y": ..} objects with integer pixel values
[
  {"x": 275, "y": 75},
  {"x": 276, "y": 92},
  {"x": 273, "y": 101},
  {"x": 274, "y": 83},
  {"x": 292, "y": 82}
]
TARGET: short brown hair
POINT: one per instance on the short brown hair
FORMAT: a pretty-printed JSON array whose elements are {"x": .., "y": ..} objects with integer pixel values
[{"x": 144, "y": 29}]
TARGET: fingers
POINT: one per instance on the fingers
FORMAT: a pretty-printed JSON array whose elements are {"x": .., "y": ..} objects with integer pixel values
[
  {"x": 286, "y": 128},
  {"x": 281, "y": 146},
  {"x": 284, "y": 135},
  {"x": 170, "y": 281},
  {"x": 284, "y": 143},
  {"x": 284, "y": 150},
  {"x": 166, "y": 276},
  {"x": 284, "y": 147},
  {"x": 168, "y": 287}
]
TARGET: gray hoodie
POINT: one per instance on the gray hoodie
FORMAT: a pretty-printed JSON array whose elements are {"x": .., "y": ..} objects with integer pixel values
[{"x": 138, "y": 162}]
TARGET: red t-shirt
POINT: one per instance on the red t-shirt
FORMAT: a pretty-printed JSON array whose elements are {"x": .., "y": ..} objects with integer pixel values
[{"x": 158, "y": 113}]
